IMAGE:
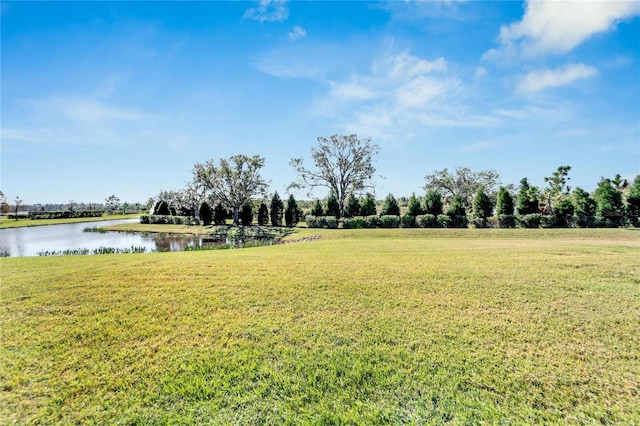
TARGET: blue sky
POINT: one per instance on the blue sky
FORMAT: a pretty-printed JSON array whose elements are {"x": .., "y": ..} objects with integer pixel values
[{"x": 123, "y": 98}]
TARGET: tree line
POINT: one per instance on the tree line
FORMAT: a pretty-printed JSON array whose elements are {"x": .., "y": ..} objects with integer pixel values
[{"x": 344, "y": 164}]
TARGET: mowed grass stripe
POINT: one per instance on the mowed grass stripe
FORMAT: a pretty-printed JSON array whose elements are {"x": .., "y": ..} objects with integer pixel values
[{"x": 363, "y": 326}]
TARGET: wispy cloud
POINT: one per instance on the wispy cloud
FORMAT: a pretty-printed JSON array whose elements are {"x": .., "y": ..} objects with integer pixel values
[
  {"x": 268, "y": 11},
  {"x": 538, "y": 80},
  {"x": 557, "y": 27},
  {"x": 297, "y": 33},
  {"x": 477, "y": 146},
  {"x": 64, "y": 120}
]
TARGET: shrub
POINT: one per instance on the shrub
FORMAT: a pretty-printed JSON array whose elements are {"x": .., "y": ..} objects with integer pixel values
[
  {"x": 389, "y": 221},
  {"x": 433, "y": 202},
  {"x": 443, "y": 221},
  {"x": 506, "y": 221},
  {"x": 144, "y": 218},
  {"x": 331, "y": 221},
  {"x": 371, "y": 221},
  {"x": 531, "y": 220},
  {"x": 316, "y": 221},
  {"x": 354, "y": 223},
  {"x": 414, "y": 207},
  {"x": 219, "y": 214},
  {"x": 317, "y": 209},
  {"x": 426, "y": 221},
  {"x": 407, "y": 221},
  {"x": 550, "y": 221}
]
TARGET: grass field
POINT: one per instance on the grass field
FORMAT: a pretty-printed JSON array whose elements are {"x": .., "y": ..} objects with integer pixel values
[
  {"x": 377, "y": 326},
  {"x": 5, "y": 222}
]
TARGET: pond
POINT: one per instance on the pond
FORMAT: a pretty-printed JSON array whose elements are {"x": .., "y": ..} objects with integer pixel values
[{"x": 31, "y": 241}]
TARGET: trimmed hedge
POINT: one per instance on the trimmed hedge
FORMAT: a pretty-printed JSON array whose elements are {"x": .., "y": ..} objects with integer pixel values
[
  {"x": 159, "y": 219},
  {"x": 426, "y": 221},
  {"x": 66, "y": 214},
  {"x": 389, "y": 221}
]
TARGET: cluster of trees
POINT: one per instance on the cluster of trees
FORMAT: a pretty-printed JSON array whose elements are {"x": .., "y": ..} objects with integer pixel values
[
  {"x": 112, "y": 204},
  {"x": 344, "y": 164}
]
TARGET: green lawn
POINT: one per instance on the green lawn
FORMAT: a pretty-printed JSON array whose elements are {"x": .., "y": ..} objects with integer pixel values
[
  {"x": 12, "y": 223},
  {"x": 359, "y": 327}
]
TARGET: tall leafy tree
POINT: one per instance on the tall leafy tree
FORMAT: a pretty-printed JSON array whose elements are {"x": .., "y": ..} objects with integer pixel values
[
  {"x": 232, "y": 181},
  {"x": 292, "y": 214},
  {"x": 277, "y": 210},
  {"x": 390, "y": 206},
  {"x": 504, "y": 202},
  {"x": 464, "y": 183},
  {"x": 368, "y": 207},
  {"x": 343, "y": 163}
]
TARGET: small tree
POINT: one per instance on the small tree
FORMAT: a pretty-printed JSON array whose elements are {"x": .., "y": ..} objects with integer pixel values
[
  {"x": 390, "y": 206},
  {"x": 292, "y": 214},
  {"x": 112, "y": 202},
  {"x": 584, "y": 207},
  {"x": 263, "y": 214},
  {"x": 353, "y": 206},
  {"x": 4, "y": 205},
  {"x": 246, "y": 214},
  {"x": 610, "y": 208},
  {"x": 527, "y": 200},
  {"x": 504, "y": 202},
  {"x": 317, "y": 209},
  {"x": 457, "y": 213},
  {"x": 414, "y": 208},
  {"x": 277, "y": 210},
  {"x": 482, "y": 206},
  {"x": 206, "y": 214},
  {"x": 161, "y": 208},
  {"x": 219, "y": 214},
  {"x": 333, "y": 206},
  {"x": 633, "y": 202},
  {"x": 433, "y": 202},
  {"x": 18, "y": 205},
  {"x": 368, "y": 205}
]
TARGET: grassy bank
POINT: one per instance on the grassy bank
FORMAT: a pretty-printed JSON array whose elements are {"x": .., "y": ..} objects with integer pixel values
[
  {"x": 362, "y": 326},
  {"x": 12, "y": 223}
]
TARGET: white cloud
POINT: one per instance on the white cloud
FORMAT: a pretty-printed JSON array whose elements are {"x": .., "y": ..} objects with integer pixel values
[
  {"x": 538, "y": 80},
  {"x": 268, "y": 11},
  {"x": 297, "y": 33},
  {"x": 480, "y": 72},
  {"x": 556, "y": 27}
]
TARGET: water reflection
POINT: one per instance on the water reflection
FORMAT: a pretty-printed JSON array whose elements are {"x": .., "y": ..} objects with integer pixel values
[{"x": 54, "y": 238}]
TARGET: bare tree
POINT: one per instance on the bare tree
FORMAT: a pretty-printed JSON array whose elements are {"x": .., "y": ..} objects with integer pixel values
[
  {"x": 343, "y": 163},
  {"x": 232, "y": 181}
]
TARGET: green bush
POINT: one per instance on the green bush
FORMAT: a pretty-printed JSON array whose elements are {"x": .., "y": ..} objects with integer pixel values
[
  {"x": 331, "y": 221},
  {"x": 443, "y": 221},
  {"x": 532, "y": 220},
  {"x": 426, "y": 221},
  {"x": 407, "y": 221},
  {"x": 389, "y": 221},
  {"x": 144, "y": 218},
  {"x": 161, "y": 209},
  {"x": 506, "y": 221},
  {"x": 206, "y": 213},
  {"x": 354, "y": 223},
  {"x": 263, "y": 215},
  {"x": 371, "y": 221},
  {"x": 550, "y": 221}
]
